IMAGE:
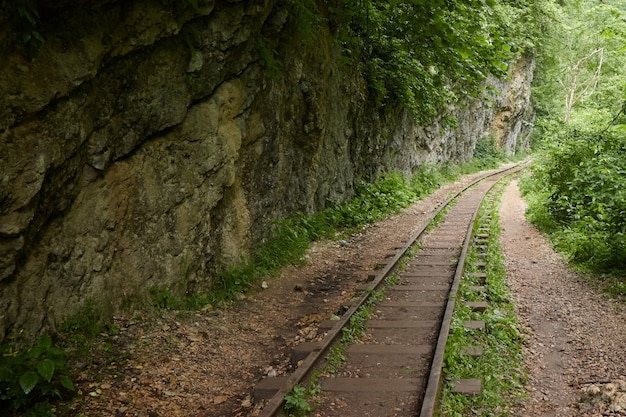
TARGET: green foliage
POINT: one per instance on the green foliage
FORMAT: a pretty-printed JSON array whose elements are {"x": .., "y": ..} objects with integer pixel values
[
  {"x": 575, "y": 193},
  {"x": 269, "y": 58},
  {"x": 356, "y": 329},
  {"x": 30, "y": 379},
  {"x": 305, "y": 18},
  {"x": 578, "y": 193},
  {"x": 581, "y": 61},
  {"x": 86, "y": 323},
  {"x": 487, "y": 154},
  {"x": 86, "y": 331},
  {"x": 20, "y": 20},
  {"x": 296, "y": 403},
  {"x": 426, "y": 54},
  {"x": 616, "y": 286},
  {"x": 422, "y": 55},
  {"x": 163, "y": 298},
  {"x": 374, "y": 201},
  {"x": 500, "y": 367}
]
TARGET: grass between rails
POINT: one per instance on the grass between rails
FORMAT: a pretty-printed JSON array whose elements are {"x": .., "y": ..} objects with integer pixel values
[
  {"x": 297, "y": 402},
  {"x": 500, "y": 367}
]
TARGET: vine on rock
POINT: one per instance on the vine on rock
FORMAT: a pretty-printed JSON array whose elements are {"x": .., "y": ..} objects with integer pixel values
[{"x": 426, "y": 55}]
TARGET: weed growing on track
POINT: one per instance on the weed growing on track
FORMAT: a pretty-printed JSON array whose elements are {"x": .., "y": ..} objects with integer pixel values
[
  {"x": 500, "y": 367},
  {"x": 296, "y": 403},
  {"x": 352, "y": 333}
]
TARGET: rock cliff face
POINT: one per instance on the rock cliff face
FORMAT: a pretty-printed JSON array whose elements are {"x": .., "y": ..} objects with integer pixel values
[{"x": 144, "y": 144}]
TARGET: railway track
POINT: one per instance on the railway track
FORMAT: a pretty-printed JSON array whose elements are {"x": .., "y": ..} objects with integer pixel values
[{"x": 395, "y": 368}]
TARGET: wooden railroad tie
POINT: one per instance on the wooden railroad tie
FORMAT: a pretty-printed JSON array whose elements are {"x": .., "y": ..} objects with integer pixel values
[
  {"x": 473, "y": 351},
  {"x": 470, "y": 386},
  {"x": 474, "y": 325},
  {"x": 478, "y": 306}
]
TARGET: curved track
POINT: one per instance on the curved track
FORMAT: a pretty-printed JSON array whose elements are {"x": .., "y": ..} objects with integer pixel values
[{"x": 395, "y": 369}]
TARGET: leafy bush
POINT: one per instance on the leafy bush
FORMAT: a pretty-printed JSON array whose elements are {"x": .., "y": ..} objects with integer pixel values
[
  {"x": 579, "y": 194},
  {"x": 487, "y": 154},
  {"x": 29, "y": 379},
  {"x": 424, "y": 54},
  {"x": 374, "y": 201},
  {"x": 22, "y": 20}
]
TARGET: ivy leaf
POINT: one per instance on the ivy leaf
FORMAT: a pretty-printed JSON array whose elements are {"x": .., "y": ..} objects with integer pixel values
[
  {"x": 46, "y": 369},
  {"x": 28, "y": 381}
]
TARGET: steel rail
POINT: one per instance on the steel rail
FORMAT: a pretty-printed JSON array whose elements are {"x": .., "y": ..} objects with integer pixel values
[
  {"x": 275, "y": 404},
  {"x": 431, "y": 395}
]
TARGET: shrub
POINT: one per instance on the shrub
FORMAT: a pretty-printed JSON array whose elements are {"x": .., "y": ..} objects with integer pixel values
[
  {"x": 579, "y": 189},
  {"x": 29, "y": 379}
]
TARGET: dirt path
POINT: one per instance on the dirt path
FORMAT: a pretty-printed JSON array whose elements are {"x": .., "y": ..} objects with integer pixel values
[
  {"x": 576, "y": 336},
  {"x": 206, "y": 363}
]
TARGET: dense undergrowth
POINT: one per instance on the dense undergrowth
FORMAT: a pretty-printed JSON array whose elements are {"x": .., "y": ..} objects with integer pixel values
[
  {"x": 577, "y": 194},
  {"x": 576, "y": 191}
]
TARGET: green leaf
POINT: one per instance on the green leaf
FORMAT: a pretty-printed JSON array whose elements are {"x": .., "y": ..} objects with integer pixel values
[
  {"x": 45, "y": 342},
  {"x": 28, "y": 381},
  {"x": 56, "y": 352},
  {"x": 46, "y": 369},
  {"x": 67, "y": 383}
]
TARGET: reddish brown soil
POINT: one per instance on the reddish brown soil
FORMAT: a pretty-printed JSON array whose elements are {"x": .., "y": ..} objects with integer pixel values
[
  {"x": 576, "y": 349},
  {"x": 206, "y": 363}
]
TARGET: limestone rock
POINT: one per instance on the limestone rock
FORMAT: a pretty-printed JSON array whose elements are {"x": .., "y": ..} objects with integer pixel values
[{"x": 145, "y": 146}]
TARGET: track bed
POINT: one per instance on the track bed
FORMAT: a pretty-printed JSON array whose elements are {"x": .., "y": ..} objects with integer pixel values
[{"x": 395, "y": 368}]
